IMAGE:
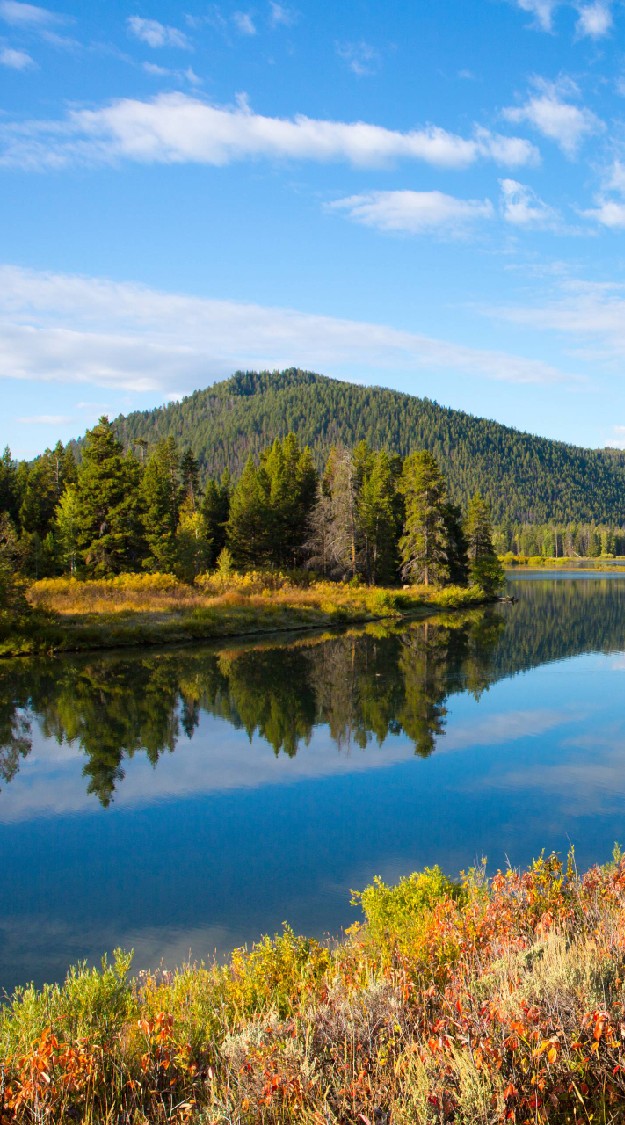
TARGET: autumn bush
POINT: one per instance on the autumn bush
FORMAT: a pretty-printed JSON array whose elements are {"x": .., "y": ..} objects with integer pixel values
[{"x": 473, "y": 1002}]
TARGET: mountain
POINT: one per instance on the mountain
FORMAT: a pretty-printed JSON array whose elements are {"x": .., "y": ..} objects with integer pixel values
[{"x": 525, "y": 478}]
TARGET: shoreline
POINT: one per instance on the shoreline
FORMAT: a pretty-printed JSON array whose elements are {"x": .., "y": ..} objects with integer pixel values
[{"x": 48, "y": 632}]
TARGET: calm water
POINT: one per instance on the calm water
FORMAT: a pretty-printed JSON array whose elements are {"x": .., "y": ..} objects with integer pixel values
[{"x": 188, "y": 801}]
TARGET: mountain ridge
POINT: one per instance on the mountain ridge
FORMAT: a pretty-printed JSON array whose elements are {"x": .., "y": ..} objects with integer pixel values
[{"x": 524, "y": 477}]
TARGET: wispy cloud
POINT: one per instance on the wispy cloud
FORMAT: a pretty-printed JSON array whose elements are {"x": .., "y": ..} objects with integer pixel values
[
  {"x": 590, "y": 316},
  {"x": 28, "y": 15},
  {"x": 522, "y": 207},
  {"x": 559, "y": 120},
  {"x": 609, "y": 209},
  {"x": 281, "y": 16},
  {"x": 415, "y": 212},
  {"x": 157, "y": 34},
  {"x": 361, "y": 57},
  {"x": 186, "y": 75},
  {"x": 594, "y": 17},
  {"x": 244, "y": 23},
  {"x": 56, "y": 327},
  {"x": 176, "y": 128},
  {"x": 617, "y": 441},
  {"x": 541, "y": 10},
  {"x": 16, "y": 60}
]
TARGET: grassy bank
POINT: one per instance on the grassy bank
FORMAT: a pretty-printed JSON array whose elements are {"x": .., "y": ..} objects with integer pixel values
[
  {"x": 564, "y": 562},
  {"x": 474, "y": 1003},
  {"x": 70, "y": 615}
]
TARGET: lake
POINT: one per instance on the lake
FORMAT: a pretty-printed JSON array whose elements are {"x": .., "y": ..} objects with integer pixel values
[{"x": 182, "y": 802}]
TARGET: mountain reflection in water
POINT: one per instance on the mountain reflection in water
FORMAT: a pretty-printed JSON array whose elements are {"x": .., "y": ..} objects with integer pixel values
[{"x": 191, "y": 799}]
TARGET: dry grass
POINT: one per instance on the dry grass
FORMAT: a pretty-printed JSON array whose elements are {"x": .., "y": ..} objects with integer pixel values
[{"x": 136, "y": 609}]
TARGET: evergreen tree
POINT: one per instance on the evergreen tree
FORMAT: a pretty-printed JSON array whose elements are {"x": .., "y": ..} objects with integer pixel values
[
  {"x": 457, "y": 549},
  {"x": 160, "y": 506},
  {"x": 292, "y": 481},
  {"x": 485, "y": 570},
  {"x": 377, "y": 518},
  {"x": 108, "y": 503},
  {"x": 424, "y": 545},
  {"x": 192, "y": 544},
  {"x": 8, "y": 485},
  {"x": 215, "y": 512},
  {"x": 249, "y": 523},
  {"x": 66, "y": 519},
  {"x": 190, "y": 476}
]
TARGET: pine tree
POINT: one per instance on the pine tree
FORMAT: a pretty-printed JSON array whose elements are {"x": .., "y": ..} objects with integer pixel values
[
  {"x": 66, "y": 518},
  {"x": 249, "y": 523},
  {"x": 108, "y": 503},
  {"x": 424, "y": 545},
  {"x": 161, "y": 495},
  {"x": 215, "y": 512},
  {"x": 457, "y": 557},
  {"x": 291, "y": 481},
  {"x": 190, "y": 477},
  {"x": 377, "y": 518},
  {"x": 485, "y": 570}
]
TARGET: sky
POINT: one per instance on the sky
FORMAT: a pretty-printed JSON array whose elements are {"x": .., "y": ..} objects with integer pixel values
[{"x": 428, "y": 196}]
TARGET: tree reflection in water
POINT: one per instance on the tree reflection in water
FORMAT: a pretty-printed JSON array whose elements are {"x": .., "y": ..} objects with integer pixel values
[{"x": 363, "y": 685}]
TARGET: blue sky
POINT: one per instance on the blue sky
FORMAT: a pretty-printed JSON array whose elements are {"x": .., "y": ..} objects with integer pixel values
[{"x": 424, "y": 195}]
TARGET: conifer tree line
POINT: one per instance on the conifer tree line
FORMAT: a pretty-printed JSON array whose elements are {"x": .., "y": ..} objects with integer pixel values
[{"x": 369, "y": 516}]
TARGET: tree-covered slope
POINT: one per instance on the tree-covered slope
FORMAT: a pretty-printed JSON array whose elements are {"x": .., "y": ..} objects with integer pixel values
[{"x": 525, "y": 478}]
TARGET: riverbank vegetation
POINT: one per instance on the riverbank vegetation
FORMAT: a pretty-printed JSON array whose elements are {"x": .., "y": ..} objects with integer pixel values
[
  {"x": 477, "y": 1002},
  {"x": 151, "y": 556},
  {"x": 69, "y": 615}
]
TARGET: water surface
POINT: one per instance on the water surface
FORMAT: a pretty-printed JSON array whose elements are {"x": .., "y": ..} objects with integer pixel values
[{"x": 185, "y": 801}]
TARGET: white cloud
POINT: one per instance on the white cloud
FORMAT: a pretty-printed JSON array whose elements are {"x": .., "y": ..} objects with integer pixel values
[
  {"x": 595, "y": 20},
  {"x": 157, "y": 34},
  {"x": 414, "y": 212},
  {"x": 559, "y": 120},
  {"x": 27, "y": 15},
  {"x": 522, "y": 207},
  {"x": 609, "y": 213},
  {"x": 361, "y": 58},
  {"x": 15, "y": 60},
  {"x": 281, "y": 16},
  {"x": 177, "y": 128},
  {"x": 542, "y": 10},
  {"x": 594, "y": 17},
  {"x": 71, "y": 329},
  {"x": 244, "y": 23}
]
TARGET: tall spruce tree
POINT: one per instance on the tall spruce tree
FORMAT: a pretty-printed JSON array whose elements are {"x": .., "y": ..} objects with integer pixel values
[
  {"x": 291, "y": 481},
  {"x": 378, "y": 518},
  {"x": 161, "y": 495},
  {"x": 249, "y": 530},
  {"x": 108, "y": 503},
  {"x": 485, "y": 570},
  {"x": 424, "y": 545}
]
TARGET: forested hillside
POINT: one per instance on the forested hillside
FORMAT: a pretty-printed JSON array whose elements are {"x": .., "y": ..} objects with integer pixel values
[{"x": 525, "y": 479}]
